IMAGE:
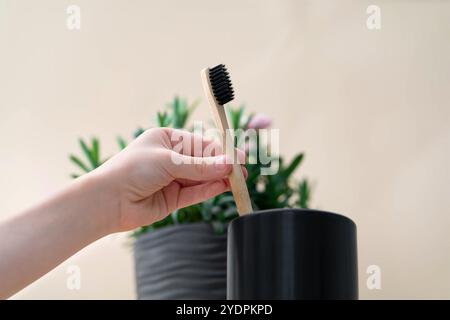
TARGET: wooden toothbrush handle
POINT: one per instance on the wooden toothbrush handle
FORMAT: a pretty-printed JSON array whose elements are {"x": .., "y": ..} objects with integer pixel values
[
  {"x": 240, "y": 191},
  {"x": 237, "y": 181}
]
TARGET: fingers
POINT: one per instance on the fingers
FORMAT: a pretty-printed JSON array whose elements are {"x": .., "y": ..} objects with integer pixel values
[
  {"x": 201, "y": 192},
  {"x": 198, "y": 193},
  {"x": 189, "y": 183},
  {"x": 199, "y": 168},
  {"x": 190, "y": 144},
  {"x": 179, "y": 195}
]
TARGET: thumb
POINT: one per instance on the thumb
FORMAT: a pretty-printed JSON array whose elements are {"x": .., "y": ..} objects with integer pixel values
[{"x": 198, "y": 168}]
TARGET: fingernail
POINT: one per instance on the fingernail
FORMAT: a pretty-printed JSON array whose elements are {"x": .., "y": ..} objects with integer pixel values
[
  {"x": 240, "y": 156},
  {"x": 244, "y": 172}
]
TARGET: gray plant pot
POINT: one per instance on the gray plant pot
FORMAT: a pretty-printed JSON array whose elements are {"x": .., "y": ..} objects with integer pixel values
[{"x": 185, "y": 261}]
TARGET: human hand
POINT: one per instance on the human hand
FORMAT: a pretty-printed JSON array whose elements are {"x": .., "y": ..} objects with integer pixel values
[{"x": 162, "y": 170}]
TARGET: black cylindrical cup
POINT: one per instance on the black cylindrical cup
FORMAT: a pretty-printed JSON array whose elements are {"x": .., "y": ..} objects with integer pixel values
[{"x": 292, "y": 254}]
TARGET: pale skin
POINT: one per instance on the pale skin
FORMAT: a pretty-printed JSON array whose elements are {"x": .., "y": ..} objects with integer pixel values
[{"x": 141, "y": 185}]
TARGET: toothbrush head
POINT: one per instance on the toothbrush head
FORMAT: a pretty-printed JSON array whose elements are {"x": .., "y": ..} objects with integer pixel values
[{"x": 221, "y": 84}]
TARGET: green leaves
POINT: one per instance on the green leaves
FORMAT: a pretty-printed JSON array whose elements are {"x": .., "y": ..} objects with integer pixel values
[
  {"x": 138, "y": 132},
  {"x": 278, "y": 190},
  {"x": 292, "y": 166},
  {"x": 235, "y": 117},
  {"x": 79, "y": 163},
  {"x": 180, "y": 111},
  {"x": 304, "y": 193},
  {"x": 95, "y": 153},
  {"x": 121, "y": 142},
  {"x": 163, "y": 119},
  {"x": 90, "y": 153}
]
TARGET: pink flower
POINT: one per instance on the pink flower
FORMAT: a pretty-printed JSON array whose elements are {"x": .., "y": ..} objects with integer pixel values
[{"x": 259, "y": 121}]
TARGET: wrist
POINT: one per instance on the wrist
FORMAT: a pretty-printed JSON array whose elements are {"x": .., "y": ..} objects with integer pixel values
[{"x": 103, "y": 200}]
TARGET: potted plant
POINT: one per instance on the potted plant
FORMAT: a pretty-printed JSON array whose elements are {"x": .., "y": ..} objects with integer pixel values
[{"x": 184, "y": 256}]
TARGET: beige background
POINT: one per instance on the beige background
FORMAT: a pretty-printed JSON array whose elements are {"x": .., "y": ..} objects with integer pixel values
[{"x": 369, "y": 108}]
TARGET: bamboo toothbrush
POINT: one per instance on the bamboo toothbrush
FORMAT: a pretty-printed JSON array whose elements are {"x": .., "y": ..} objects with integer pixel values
[{"x": 218, "y": 89}]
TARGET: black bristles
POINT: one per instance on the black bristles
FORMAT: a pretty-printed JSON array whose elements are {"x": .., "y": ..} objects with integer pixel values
[{"x": 221, "y": 84}]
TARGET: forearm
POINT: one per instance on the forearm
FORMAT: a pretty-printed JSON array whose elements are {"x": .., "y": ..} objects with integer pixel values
[{"x": 39, "y": 239}]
